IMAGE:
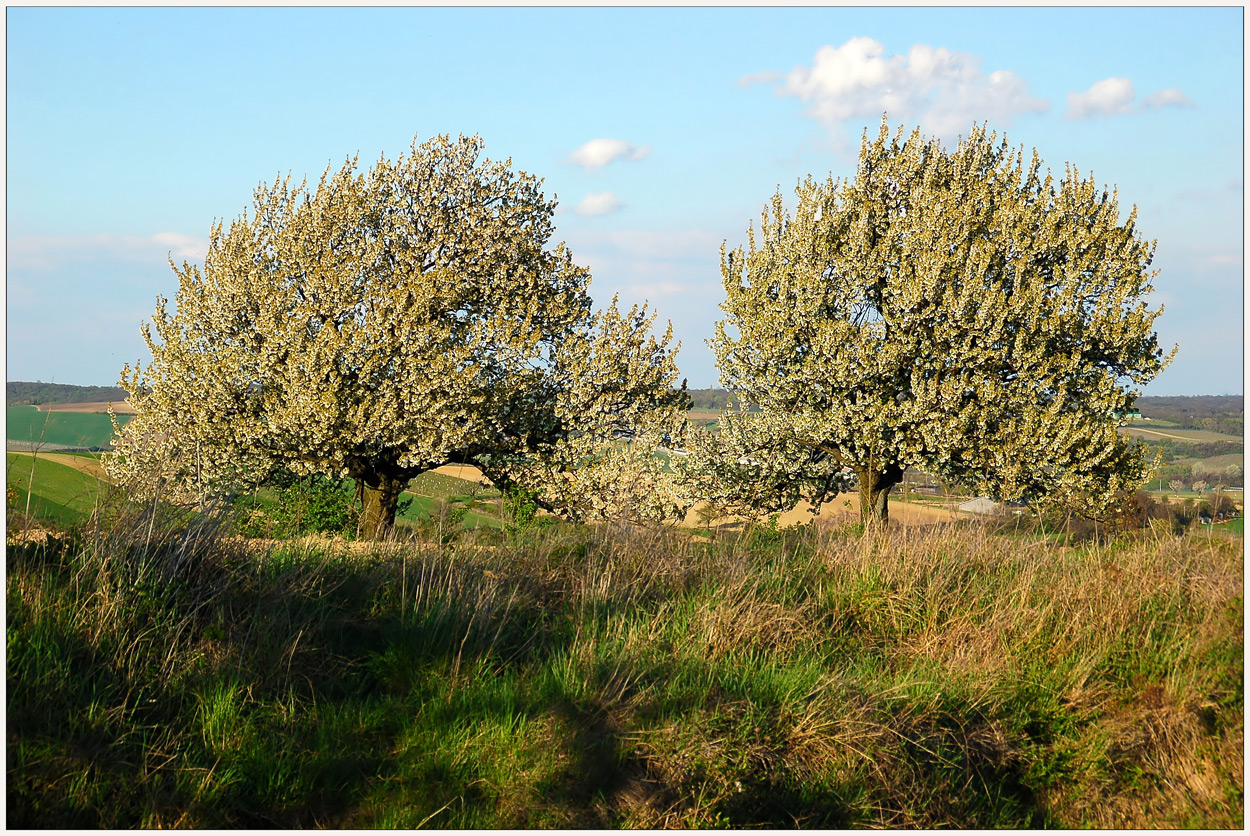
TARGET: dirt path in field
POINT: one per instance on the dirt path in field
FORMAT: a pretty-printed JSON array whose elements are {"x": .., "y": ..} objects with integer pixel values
[
  {"x": 1189, "y": 438},
  {"x": 82, "y": 464}
]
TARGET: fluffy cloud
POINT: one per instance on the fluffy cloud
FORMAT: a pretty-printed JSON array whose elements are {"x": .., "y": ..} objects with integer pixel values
[
  {"x": 1114, "y": 97},
  {"x": 943, "y": 90},
  {"x": 599, "y": 152},
  {"x": 599, "y": 203},
  {"x": 1109, "y": 97}
]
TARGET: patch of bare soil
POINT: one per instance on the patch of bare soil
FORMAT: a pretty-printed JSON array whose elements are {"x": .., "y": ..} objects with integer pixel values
[
  {"x": 463, "y": 471},
  {"x": 844, "y": 508},
  {"x": 120, "y": 407}
]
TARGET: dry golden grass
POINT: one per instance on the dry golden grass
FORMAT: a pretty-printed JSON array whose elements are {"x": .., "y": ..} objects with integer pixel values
[
  {"x": 624, "y": 676},
  {"x": 83, "y": 464}
]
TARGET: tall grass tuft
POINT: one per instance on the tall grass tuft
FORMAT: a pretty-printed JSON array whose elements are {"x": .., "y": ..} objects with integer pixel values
[{"x": 163, "y": 672}]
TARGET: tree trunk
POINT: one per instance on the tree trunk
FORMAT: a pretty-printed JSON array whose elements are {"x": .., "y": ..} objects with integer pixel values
[
  {"x": 874, "y": 493},
  {"x": 379, "y": 498}
]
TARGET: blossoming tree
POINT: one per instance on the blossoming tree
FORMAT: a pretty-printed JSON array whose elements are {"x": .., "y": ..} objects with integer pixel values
[
  {"x": 957, "y": 311},
  {"x": 389, "y": 321}
]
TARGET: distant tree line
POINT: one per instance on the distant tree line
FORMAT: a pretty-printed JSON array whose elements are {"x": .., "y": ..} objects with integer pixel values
[
  {"x": 1214, "y": 413},
  {"x": 20, "y": 392},
  {"x": 1176, "y": 449},
  {"x": 709, "y": 399}
]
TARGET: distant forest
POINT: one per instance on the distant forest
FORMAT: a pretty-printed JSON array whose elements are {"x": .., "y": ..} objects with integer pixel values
[
  {"x": 1215, "y": 413},
  {"x": 19, "y": 392}
]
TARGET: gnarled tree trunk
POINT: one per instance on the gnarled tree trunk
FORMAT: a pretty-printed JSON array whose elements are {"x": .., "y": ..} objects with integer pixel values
[
  {"x": 378, "y": 489},
  {"x": 874, "y": 493}
]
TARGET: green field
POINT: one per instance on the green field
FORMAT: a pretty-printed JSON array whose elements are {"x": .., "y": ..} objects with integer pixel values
[
  {"x": 1214, "y": 464},
  {"x": 61, "y": 494},
  {"x": 71, "y": 429}
]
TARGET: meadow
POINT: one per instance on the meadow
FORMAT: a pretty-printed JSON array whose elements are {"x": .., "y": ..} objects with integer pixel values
[
  {"x": 51, "y": 490},
  {"x": 48, "y": 430},
  {"x": 163, "y": 671}
]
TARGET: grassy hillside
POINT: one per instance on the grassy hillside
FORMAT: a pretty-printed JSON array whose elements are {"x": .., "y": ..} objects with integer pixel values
[
  {"x": 606, "y": 677},
  {"x": 27, "y": 425},
  {"x": 61, "y": 494}
]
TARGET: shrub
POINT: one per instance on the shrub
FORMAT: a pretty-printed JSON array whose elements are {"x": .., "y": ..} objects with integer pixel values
[{"x": 315, "y": 505}]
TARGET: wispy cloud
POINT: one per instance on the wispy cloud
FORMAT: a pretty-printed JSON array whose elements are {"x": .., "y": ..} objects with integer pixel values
[
  {"x": 1109, "y": 97},
  {"x": 765, "y": 77},
  {"x": 943, "y": 90},
  {"x": 597, "y": 153},
  {"x": 647, "y": 263},
  {"x": 1171, "y": 97},
  {"x": 599, "y": 203},
  {"x": 42, "y": 253},
  {"x": 1115, "y": 97}
]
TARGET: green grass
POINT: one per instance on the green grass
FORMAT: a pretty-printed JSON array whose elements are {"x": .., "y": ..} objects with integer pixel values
[
  {"x": 1216, "y": 465},
  {"x": 450, "y": 487},
  {"x": 434, "y": 495},
  {"x": 426, "y": 508},
  {"x": 60, "y": 494},
  {"x": 567, "y": 676},
  {"x": 73, "y": 429}
]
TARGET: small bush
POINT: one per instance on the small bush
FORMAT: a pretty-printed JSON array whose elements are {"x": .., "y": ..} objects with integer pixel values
[{"x": 315, "y": 505}]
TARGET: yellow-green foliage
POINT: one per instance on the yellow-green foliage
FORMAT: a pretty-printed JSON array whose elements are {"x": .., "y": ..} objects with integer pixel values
[
  {"x": 389, "y": 321},
  {"x": 961, "y": 312}
]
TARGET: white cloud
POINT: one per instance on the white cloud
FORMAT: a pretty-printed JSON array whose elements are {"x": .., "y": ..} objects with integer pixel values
[
  {"x": 599, "y": 152},
  {"x": 50, "y": 252},
  {"x": 642, "y": 262},
  {"x": 182, "y": 246},
  {"x": 765, "y": 77},
  {"x": 1114, "y": 97},
  {"x": 943, "y": 90},
  {"x": 1109, "y": 97},
  {"x": 599, "y": 203},
  {"x": 1171, "y": 97}
]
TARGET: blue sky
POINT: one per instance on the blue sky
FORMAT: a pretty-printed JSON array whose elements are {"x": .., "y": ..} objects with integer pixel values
[{"x": 663, "y": 132}]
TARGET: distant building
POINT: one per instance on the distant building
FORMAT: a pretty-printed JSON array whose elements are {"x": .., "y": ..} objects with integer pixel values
[{"x": 981, "y": 505}]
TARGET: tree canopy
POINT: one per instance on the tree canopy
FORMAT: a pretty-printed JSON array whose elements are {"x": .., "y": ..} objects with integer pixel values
[
  {"x": 389, "y": 321},
  {"x": 961, "y": 311}
]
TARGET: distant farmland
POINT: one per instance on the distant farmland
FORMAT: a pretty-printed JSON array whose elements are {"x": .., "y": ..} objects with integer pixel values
[
  {"x": 27, "y": 426},
  {"x": 1149, "y": 434}
]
